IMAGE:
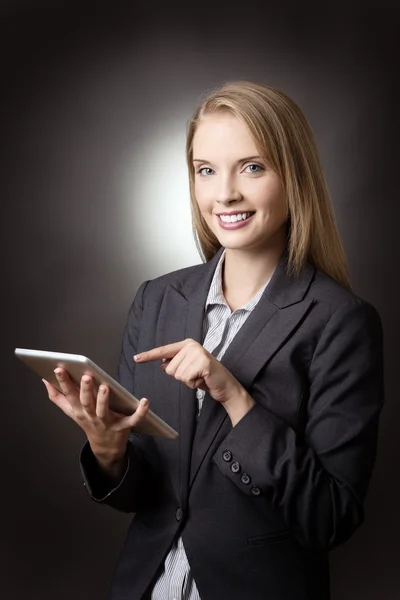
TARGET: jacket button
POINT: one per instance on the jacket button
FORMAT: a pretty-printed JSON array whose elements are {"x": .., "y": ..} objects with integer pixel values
[
  {"x": 235, "y": 467},
  {"x": 255, "y": 491},
  {"x": 246, "y": 479},
  {"x": 227, "y": 456},
  {"x": 178, "y": 514}
]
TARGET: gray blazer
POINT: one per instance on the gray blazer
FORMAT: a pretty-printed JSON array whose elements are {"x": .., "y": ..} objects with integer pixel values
[{"x": 258, "y": 505}]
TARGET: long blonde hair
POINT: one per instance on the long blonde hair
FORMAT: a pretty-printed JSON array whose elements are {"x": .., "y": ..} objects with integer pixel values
[{"x": 283, "y": 136}]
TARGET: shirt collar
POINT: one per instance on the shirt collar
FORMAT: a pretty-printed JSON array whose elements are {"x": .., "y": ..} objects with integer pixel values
[{"x": 216, "y": 294}]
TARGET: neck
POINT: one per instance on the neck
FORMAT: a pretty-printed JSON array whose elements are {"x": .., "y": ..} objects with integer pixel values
[{"x": 246, "y": 272}]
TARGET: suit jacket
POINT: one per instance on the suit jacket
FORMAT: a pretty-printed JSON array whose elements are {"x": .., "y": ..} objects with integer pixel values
[{"x": 258, "y": 505}]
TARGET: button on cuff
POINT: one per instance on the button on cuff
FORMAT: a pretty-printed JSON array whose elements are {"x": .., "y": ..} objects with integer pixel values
[
  {"x": 235, "y": 467},
  {"x": 227, "y": 456}
]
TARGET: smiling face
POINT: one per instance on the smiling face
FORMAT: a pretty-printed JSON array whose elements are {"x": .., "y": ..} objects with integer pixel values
[{"x": 239, "y": 195}]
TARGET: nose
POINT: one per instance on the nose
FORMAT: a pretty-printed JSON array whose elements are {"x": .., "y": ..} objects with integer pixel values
[{"x": 227, "y": 191}]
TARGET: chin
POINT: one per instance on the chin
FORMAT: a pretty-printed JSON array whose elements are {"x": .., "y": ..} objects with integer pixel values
[
  {"x": 231, "y": 245},
  {"x": 267, "y": 242}
]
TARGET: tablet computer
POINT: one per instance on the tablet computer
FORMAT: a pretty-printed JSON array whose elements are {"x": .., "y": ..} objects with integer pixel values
[{"x": 121, "y": 401}]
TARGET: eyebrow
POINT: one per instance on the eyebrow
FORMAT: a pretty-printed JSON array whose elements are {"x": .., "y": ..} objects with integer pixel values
[{"x": 202, "y": 160}]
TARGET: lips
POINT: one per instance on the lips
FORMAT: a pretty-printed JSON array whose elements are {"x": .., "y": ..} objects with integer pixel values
[{"x": 241, "y": 219}]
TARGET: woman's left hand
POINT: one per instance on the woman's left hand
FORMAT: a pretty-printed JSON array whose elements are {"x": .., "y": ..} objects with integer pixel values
[{"x": 188, "y": 362}]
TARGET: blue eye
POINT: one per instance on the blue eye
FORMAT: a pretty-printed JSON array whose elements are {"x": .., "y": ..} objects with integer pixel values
[
  {"x": 205, "y": 169},
  {"x": 258, "y": 167}
]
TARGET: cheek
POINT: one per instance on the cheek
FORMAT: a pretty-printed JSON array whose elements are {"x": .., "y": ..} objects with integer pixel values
[
  {"x": 203, "y": 198},
  {"x": 272, "y": 199}
]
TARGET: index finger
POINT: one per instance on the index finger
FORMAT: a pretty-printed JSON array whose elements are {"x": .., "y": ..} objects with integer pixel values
[{"x": 168, "y": 351}]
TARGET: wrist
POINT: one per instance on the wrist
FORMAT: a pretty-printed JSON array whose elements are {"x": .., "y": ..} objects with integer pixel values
[
  {"x": 238, "y": 404},
  {"x": 112, "y": 463},
  {"x": 107, "y": 456}
]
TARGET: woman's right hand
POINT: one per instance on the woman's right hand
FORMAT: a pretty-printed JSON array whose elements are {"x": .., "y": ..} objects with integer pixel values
[{"x": 107, "y": 431}]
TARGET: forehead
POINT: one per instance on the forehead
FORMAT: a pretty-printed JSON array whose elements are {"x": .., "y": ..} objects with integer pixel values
[{"x": 222, "y": 133}]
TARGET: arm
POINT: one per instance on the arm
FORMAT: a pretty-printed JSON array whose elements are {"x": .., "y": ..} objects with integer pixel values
[{"x": 319, "y": 479}]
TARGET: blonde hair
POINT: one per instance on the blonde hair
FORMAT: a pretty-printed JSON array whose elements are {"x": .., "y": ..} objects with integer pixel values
[{"x": 284, "y": 137}]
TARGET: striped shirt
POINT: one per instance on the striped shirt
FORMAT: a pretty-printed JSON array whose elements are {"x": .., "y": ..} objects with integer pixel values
[{"x": 220, "y": 325}]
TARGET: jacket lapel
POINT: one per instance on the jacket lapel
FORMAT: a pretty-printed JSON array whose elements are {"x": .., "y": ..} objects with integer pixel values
[
  {"x": 279, "y": 311},
  {"x": 170, "y": 328},
  {"x": 181, "y": 317}
]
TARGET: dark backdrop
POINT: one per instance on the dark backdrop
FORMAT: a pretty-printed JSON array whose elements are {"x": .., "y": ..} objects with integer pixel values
[{"x": 94, "y": 200}]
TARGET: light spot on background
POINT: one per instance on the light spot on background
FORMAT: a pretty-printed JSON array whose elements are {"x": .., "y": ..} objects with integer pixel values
[{"x": 156, "y": 199}]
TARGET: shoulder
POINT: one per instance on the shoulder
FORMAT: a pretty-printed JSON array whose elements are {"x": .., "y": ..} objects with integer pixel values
[
  {"x": 326, "y": 290},
  {"x": 338, "y": 304},
  {"x": 178, "y": 279},
  {"x": 155, "y": 289}
]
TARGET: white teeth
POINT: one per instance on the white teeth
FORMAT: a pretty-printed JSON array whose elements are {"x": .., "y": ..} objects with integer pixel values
[{"x": 234, "y": 218}]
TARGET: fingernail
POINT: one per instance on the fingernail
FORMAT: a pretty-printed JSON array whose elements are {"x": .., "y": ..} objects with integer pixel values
[
  {"x": 86, "y": 378},
  {"x": 144, "y": 402},
  {"x": 102, "y": 389},
  {"x": 136, "y": 357},
  {"x": 58, "y": 373}
]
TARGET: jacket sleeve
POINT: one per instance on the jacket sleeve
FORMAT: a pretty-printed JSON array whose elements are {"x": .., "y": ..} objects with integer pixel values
[
  {"x": 318, "y": 478},
  {"x": 124, "y": 495}
]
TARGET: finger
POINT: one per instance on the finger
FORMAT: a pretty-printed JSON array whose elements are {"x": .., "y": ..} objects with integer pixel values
[
  {"x": 172, "y": 365},
  {"x": 201, "y": 384},
  {"x": 195, "y": 384},
  {"x": 57, "y": 398},
  {"x": 68, "y": 387},
  {"x": 86, "y": 395},
  {"x": 138, "y": 415},
  {"x": 168, "y": 351},
  {"x": 192, "y": 365},
  {"x": 102, "y": 402}
]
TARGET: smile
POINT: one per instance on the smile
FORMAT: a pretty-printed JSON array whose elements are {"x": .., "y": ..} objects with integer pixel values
[
  {"x": 235, "y": 218},
  {"x": 235, "y": 221}
]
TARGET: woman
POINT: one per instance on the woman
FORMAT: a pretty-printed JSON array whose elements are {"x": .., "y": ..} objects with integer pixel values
[{"x": 263, "y": 359}]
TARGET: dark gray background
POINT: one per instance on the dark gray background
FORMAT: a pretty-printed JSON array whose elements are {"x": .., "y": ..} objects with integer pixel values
[{"x": 94, "y": 198}]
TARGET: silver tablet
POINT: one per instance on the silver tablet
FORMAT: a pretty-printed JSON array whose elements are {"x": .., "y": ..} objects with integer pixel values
[{"x": 44, "y": 363}]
